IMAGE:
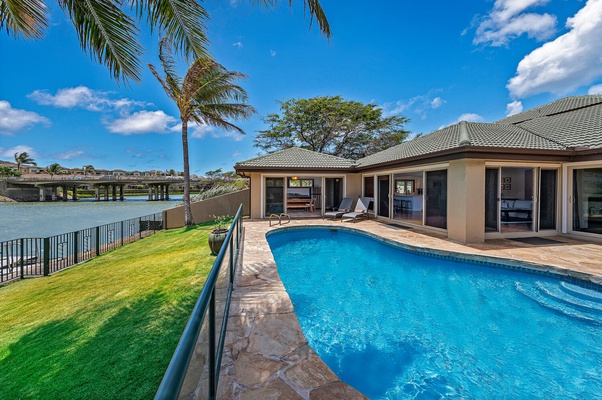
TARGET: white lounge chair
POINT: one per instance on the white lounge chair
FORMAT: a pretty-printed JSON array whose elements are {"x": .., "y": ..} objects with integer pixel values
[
  {"x": 344, "y": 207},
  {"x": 361, "y": 209}
]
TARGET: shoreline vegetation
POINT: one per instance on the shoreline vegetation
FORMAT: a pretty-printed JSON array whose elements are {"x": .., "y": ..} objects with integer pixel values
[{"x": 114, "y": 320}]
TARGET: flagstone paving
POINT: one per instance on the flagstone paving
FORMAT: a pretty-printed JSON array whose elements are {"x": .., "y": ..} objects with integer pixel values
[{"x": 266, "y": 356}]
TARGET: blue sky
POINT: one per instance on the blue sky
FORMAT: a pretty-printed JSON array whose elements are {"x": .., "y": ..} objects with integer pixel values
[{"x": 435, "y": 62}]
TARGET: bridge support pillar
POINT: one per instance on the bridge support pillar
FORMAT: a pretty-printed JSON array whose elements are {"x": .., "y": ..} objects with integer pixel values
[
  {"x": 54, "y": 190},
  {"x": 162, "y": 189},
  {"x": 97, "y": 193},
  {"x": 167, "y": 192},
  {"x": 150, "y": 193},
  {"x": 64, "y": 188},
  {"x": 106, "y": 192},
  {"x": 114, "y": 192},
  {"x": 42, "y": 194},
  {"x": 75, "y": 193},
  {"x": 121, "y": 192}
]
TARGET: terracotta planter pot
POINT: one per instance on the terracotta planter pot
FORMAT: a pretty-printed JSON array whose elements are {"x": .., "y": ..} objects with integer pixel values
[{"x": 216, "y": 240}]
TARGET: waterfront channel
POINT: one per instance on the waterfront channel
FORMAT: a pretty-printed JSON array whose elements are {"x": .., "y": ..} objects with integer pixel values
[{"x": 42, "y": 219}]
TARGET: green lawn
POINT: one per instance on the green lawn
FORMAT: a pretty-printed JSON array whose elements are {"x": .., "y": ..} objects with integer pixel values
[{"x": 105, "y": 329}]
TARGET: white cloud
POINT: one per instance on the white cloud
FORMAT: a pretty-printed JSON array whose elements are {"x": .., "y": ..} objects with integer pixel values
[
  {"x": 418, "y": 104},
  {"x": 597, "y": 89},
  {"x": 508, "y": 21},
  {"x": 273, "y": 53},
  {"x": 82, "y": 97},
  {"x": 569, "y": 61},
  {"x": 200, "y": 131},
  {"x": 235, "y": 154},
  {"x": 70, "y": 154},
  {"x": 13, "y": 120},
  {"x": 10, "y": 152},
  {"x": 437, "y": 102},
  {"x": 142, "y": 122},
  {"x": 514, "y": 107},
  {"x": 238, "y": 44},
  {"x": 470, "y": 117}
]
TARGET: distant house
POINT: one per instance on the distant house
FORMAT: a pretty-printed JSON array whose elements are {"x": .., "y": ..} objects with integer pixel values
[
  {"x": 118, "y": 172},
  {"x": 536, "y": 173}
]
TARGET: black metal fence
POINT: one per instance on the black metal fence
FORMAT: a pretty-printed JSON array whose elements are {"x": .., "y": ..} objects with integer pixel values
[
  {"x": 27, "y": 257},
  {"x": 206, "y": 326}
]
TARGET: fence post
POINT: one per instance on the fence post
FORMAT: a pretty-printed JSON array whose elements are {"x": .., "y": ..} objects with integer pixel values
[
  {"x": 75, "y": 247},
  {"x": 122, "y": 232},
  {"x": 46, "y": 256},
  {"x": 140, "y": 228},
  {"x": 97, "y": 240},
  {"x": 21, "y": 256}
]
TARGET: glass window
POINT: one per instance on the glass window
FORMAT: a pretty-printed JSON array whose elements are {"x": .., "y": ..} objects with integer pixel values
[{"x": 587, "y": 200}]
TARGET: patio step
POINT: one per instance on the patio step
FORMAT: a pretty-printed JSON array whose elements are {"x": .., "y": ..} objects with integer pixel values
[{"x": 551, "y": 296}]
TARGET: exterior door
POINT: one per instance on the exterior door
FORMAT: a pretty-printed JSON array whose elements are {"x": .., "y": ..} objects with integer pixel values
[
  {"x": 436, "y": 199},
  {"x": 383, "y": 196}
]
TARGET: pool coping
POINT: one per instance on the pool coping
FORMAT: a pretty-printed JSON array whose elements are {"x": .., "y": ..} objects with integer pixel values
[{"x": 266, "y": 354}]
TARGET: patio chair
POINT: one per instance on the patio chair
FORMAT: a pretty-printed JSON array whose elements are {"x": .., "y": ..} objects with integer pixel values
[
  {"x": 344, "y": 207},
  {"x": 361, "y": 209}
]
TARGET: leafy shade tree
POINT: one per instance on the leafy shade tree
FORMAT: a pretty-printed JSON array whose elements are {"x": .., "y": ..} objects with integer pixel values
[
  {"x": 331, "y": 125},
  {"x": 207, "y": 95},
  {"x": 88, "y": 169},
  {"x": 23, "y": 158},
  {"x": 54, "y": 169},
  {"x": 109, "y": 30}
]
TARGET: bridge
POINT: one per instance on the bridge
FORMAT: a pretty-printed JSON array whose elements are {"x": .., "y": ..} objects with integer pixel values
[{"x": 105, "y": 187}]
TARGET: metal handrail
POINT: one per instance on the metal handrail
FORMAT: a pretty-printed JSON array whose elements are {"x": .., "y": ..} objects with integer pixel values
[
  {"x": 280, "y": 218},
  {"x": 176, "y": 371}
]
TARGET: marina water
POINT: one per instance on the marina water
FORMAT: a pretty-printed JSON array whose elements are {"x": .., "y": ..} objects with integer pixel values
[{"x": 42, "y": 219}]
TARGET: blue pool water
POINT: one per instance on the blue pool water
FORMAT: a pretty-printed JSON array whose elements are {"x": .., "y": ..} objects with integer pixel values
[{"x": 395, "y": 324}]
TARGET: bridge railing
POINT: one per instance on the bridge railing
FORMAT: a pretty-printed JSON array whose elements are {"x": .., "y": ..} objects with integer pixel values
[{"x": 30, "y": 257}]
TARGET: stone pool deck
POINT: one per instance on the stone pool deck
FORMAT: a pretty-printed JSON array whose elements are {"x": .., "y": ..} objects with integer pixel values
[{"x": 266, "y": 356}]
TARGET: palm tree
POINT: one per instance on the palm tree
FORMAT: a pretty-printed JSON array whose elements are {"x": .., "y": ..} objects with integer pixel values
[
  {"x": 107, "y": 31},
  {"x": 23, "y": 158},
  {"x": 88, "y": 169},
  {"x": 54, "y": 169},
  {"x": 207, "y": 95}
]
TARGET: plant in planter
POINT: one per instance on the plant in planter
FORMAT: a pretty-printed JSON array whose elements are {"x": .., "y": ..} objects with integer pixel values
[{"x": 218, "y": 235}]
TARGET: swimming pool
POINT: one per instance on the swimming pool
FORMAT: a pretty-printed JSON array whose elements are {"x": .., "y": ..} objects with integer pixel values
[{"x": 395, "y": 324}]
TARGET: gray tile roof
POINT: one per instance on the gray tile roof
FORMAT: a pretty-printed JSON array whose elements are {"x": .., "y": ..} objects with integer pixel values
[
  {"x": 478, "y": 134},
  {"x": 559, "y": 106},
  {"x": 296, "y": 157},
  {"x": 561, "y": 125}
]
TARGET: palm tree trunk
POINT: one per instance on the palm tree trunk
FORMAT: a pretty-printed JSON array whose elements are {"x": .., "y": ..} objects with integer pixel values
[{"x": 188, "y": 220}]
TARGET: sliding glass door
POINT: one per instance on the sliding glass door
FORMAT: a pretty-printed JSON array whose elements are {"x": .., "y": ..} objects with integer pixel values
[
  {"x": 587, "y": 200},
  {"x": 383, "y": 196},
  {"x": 436, "y": 199},
  {"x": 520, "y": 199}
]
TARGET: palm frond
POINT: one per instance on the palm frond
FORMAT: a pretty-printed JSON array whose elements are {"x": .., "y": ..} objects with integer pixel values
[
  {"x": 108, "y": 34},
  {"x": 182, "y": 21},
  {"x": 23, "y": 18},
  {"x": 315, "y": 11}
]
